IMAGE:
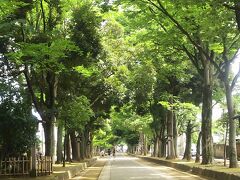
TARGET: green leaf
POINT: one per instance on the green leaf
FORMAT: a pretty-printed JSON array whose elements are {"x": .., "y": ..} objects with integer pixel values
[
  {"x": 216, "y": 47},
  {"x": 87, "y": 72}
]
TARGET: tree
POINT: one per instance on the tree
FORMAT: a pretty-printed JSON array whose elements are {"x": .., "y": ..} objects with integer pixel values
[
  {"x": 196, "y": 41},
  {"x": 17, "y": 126},
  {"x": 75, "y": 114},
  {"x": 37, "y": 52},
  {"x": 18, "y": 129},
  {"x": 187, "y": 115},
  {"x": 43, "y": 50},
  {"x": 126, "y": 123}
]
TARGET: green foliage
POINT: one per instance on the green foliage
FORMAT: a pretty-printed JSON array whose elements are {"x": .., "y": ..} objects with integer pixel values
[
  {"x": 127, "y": 125},
  {"x": 187, "y": 113},
  {"x": 132, "y": 56},
  {"x": 102, "y": 138},
  {"x": 17, "y": 128},
  {"x": 43, "y": 56},
  {"x": 132, "y": 138},
  {"x": 84, "y": 71},
  {"x": 220, "y": 126},
  {"x": 85, "y": 23},
  {"x": 76, "y": 112},
  {"x": 106, "y": 137}
]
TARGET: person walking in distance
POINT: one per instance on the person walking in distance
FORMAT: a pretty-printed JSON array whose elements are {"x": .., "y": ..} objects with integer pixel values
[{"x": 114, "y": 151}]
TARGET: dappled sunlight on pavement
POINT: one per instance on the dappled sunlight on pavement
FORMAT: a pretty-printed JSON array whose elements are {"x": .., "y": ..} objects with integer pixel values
[{"x": 93, "y": 172}]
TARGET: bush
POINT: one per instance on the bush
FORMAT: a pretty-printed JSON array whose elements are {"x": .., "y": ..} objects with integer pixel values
[{"x": 17, "y": 129}]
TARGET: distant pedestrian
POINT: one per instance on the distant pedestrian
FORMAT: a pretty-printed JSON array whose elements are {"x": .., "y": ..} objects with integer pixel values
[
  {"x": 109, "y": 152},
  {"x": 114, "y": 151},
  {"x": 102, "y": 153}
]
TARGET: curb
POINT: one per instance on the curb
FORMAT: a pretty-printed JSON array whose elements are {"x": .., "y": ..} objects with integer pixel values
[
  {"x": 194, "y": 170},
  {"x": 73, "y": 171},
  {"x": 105, "y": 172}
]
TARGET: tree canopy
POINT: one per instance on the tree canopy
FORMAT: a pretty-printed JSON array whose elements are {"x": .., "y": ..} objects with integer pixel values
[{"x": 109, "y": 72}]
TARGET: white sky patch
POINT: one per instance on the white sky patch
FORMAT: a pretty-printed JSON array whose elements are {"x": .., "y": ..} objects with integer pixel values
[
  {"x": 35, "y": 113},
  {"x": 236, "y": 63}
]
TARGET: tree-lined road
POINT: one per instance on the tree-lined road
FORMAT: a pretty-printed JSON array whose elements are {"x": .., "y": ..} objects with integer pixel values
[{"x": 126, "y": 167}]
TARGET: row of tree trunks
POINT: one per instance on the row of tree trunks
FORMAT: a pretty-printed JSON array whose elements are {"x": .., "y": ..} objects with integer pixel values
[
  {"x": 143, "y": 144},
  {"x": 76, "y": 149},
  {"x": 159, "y": 148},
  {"x": 132, "y": 148}
]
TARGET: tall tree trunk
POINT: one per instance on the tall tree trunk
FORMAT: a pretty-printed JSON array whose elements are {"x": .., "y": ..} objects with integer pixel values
[
  {"x": 144, "y": 144},
  {"x": 59, "y": 144},
  {"x": 225, "y": 144},
  {"x": 82, "y": 147},
  {"x": 162, "y": 142},
  {"x": 91, "y": 149},
  {"x": 155, "y": 147},
  {"x": 49, "y": 136},
  {"x": 175, "y": 134},
  {"x": 68, "y": 148},
  {"x": 207, "y": 151},
  {"x": 187, "y": 153},
  {"x": 232, "y": 128},
  {"x": 45, "y": 107},
  {"x": 197, "y": 160},
  {"x": 164, "y": 148},
  {"x": 87, "y": 144},
  {"x": 160, "y": 148},
  {"x": 74, "y": 143},
  {"x": 170, "y": 143},
  {"x": 90, "y": 145},
  {"x": 140, "y": 144}
]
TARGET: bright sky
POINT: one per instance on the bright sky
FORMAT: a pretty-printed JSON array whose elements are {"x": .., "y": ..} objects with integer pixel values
[{"x": 236, "y": 63}]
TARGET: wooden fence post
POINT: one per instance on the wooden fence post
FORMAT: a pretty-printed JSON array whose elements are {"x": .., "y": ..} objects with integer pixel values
[{"x": 33, "y": 171}]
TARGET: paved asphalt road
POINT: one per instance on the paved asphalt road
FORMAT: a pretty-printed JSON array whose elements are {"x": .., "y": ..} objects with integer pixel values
[{"x": 128, "y": 168}]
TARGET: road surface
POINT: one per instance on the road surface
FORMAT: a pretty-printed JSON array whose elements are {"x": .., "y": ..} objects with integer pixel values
[{"x": 128, "y": 168}]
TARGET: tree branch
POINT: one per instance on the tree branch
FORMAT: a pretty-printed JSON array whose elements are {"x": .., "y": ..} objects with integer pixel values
[
  {"x": 31, "y": 91},
  {"x": 235, "y": 41},
  {"x": 43, "y": 16},
  {"x": 96, "y": 99},
  {"x": 161, "y": 25},
  {"x": 193, "y": 60},
  {"x": 179, "y": 26}
]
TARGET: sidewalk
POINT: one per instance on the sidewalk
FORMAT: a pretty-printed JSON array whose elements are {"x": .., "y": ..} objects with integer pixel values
[
  {"x": 61, "y": 173},
  {"x": 92, "y": 172}
]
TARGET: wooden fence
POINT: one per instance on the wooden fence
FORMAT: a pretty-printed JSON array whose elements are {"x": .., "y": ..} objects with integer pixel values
[
  {"x": 14, "y": 166},
  {"x": 44, "y": 165},
  {"x": 23, "y": 166}
]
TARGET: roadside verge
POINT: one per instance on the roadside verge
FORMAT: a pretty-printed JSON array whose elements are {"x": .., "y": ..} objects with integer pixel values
[
  {"x": 214, "y": 171},
  {"x": 71, "y": 170}
]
